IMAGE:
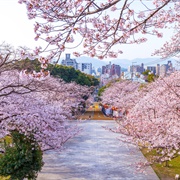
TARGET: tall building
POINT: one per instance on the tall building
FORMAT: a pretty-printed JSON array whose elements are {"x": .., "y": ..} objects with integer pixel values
[
  {"x": 152, "y": 69},
  {"x": 170, "y": 68},
  {"x": 166, "y": 69},
  {"x": 163, "y": 70},
  {"x": 85, "y": 67},
  {"x": 111, "y": 69},
  {"x": 109, "y": 73},
  {"x": 115, "y": 69},
  {"x": 99, "y": 70},
  {"x": 137, "y": 68},
  {"x": 157, "y": 70},
  {"x": 103, "y": 70},
  {"x": 69, "y": 62},
  {"x": 94, "y": 72}
]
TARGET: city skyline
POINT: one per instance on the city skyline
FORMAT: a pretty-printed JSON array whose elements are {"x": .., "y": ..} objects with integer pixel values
[
  {"x": 125, "y": 63},
  {"x": 112, "y": 71}
]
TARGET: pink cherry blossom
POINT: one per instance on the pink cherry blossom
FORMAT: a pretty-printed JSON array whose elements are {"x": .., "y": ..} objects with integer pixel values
[
  {"x": 96, "y": 28},
  {"x": 42, "y": 107},
  {"x": 153, "y": 113}
]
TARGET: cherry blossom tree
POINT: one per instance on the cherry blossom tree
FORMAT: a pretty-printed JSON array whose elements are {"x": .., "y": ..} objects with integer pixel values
[
  {"x": 7, "y": 56},
  {"x": 153, "y": 119},
  {"x": 38, "y": 109},
  {"x": 99, "y": 25},
  {"x": 171, "y": 48},
  {"x": 43, "y": 108},
  {"x": 35, "y": 103},
  {"x": 121, "y": 95}
]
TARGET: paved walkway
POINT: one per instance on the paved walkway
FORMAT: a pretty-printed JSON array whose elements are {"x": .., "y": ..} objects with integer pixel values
[{"x": 95, "y": 154}]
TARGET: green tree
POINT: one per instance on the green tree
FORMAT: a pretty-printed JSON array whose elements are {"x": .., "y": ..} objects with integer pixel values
[
  {"x": 67, "y": 73},
  {"x": 101, "y": 90},
  {"x": 83, "y": 80},
  {"x": 22, "y": 158},
  {"x": 150, "y": 77},
  {"x": 29, "y": 65},
  {"x": 94, "y": 81}
]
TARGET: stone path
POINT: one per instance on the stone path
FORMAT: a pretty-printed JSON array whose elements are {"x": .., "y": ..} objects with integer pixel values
[{"x": 95, "y": 154}]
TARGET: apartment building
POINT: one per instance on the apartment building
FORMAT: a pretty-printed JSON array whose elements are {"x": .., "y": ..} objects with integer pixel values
[
  {"x": 111, "y": 69},
  {"x": 83, "y": 67},
  {"x": 69, "y": 62}
]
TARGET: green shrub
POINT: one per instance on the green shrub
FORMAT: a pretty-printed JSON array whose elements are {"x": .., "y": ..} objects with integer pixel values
[{"x": 22, "y": 158}]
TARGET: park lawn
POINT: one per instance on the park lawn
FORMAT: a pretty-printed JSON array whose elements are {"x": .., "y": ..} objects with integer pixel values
[{"x": 164, "y": 173}]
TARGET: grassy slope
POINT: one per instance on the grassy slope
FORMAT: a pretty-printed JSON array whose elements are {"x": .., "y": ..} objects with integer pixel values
[{"x": 165, "y": 173}]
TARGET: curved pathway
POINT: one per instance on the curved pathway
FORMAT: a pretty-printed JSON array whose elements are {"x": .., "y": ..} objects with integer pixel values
[{"x": 95, "y": 154}]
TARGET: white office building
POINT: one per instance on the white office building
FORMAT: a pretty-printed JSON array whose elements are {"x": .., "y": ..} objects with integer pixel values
[
  {"x": 85, "y": 67},
  {"x": 69, "y": 62}
]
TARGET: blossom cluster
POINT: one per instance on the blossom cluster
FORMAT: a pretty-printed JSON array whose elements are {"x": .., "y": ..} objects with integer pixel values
[
  {"x": 42, "y": 108},
  {"x": 99, "y": 26},
  {"x": 153, "y": 113}
]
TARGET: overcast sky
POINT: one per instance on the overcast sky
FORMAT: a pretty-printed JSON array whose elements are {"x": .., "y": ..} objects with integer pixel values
[{"x": 17, "y": 30}]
